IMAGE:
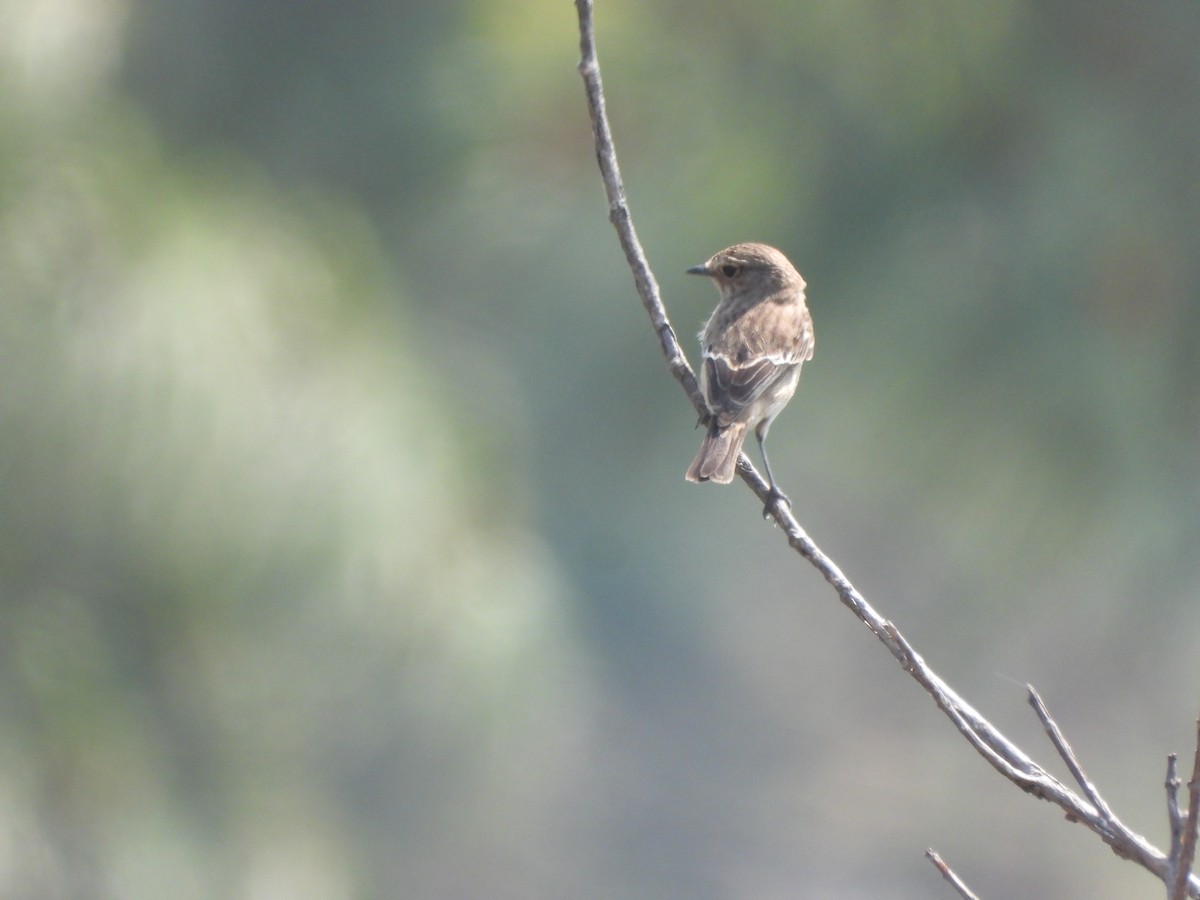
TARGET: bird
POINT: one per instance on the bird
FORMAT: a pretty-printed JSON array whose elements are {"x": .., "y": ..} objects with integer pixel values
[{"x": 752, "y": 348}]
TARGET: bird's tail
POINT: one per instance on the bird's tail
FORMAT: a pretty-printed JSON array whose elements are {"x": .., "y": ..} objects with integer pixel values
[{"x": 718, "y": 454}]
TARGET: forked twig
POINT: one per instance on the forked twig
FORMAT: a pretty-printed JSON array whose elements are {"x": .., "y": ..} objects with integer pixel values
[
  {"x": 1067, "y": 754},
  {"x": 1187, "y": 845}
]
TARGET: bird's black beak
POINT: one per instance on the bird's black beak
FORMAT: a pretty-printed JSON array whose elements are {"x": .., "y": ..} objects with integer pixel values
[{"x": 699, "y": 270}]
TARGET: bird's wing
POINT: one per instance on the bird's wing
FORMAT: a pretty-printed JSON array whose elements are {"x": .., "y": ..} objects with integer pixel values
[
  {"x": 731, "y": 387},
  {"x": 746, "y": 360}
]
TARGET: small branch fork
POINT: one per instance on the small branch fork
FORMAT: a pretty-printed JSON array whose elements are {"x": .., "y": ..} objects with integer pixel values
[
  {"x": 1180, "y": 880},
  {"x": 1009, "y": 760}
]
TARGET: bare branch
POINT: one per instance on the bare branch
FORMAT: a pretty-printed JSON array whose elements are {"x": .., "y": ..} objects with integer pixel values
[
  {"x": 959, "y": 885},
  {"x": 1067, "y": 754},
  {"x": 618, "y": 211},
  {"x": 1001, "y": 753},
  {"x": 1187, "y": 848},
  {"x": 1174, "y": 817},
  {"x": 1174, "y": 820}
]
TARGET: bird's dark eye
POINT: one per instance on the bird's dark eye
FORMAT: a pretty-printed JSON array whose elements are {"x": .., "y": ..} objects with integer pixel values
[{"x": 729, "y": 270}]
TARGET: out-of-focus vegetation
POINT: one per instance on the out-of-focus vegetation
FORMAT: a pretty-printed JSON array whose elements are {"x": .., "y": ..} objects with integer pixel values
[{"x": 346, "y": 550}]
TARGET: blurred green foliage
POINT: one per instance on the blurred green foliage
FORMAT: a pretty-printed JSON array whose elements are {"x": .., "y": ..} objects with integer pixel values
[{"x": 346, "y": 551}]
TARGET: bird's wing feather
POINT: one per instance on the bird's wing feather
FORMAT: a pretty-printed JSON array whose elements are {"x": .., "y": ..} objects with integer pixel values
[
  {"x": 745, "y": 359},
  {"x": 733, "y": 387}
]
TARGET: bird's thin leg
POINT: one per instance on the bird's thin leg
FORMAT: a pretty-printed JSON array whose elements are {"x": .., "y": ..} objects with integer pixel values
[{"x": 776, "y": 493}]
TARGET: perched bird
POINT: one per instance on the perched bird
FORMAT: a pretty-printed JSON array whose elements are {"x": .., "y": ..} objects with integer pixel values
[{"x": 753, "y": 346}]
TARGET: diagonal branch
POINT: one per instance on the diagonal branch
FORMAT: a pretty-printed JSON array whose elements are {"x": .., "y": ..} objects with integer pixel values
[
  {"x": 1001, "y": 753},
  {"x": 618, "y": 212},
  {"x": 949, "y": 874},
  {"x": 1067, "y": 754}
]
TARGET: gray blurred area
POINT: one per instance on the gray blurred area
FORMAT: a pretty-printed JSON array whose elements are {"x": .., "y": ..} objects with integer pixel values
[{"x": 346, "y": 551}]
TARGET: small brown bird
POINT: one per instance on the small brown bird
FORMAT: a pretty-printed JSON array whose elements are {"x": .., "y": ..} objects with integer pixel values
[{"x": 753, "y": 346}]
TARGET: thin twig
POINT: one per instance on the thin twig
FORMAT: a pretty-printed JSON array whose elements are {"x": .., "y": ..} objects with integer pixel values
[
  {"x": 619, "y": 215},
  {"x": 1000, "y": 752},
  {"x": 959, "y": 885},
  {"x": 1067, "y": 754},
  {"x": 1187, "y": 848},
  {"x": 1174, "y": 817}
]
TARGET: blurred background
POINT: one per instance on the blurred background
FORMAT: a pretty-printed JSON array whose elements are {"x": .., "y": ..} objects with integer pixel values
[{"x": 346, "y": 548}]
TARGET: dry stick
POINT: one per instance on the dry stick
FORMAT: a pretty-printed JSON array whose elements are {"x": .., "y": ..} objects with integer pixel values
[
  {"x": 1000, "y": 752},
  {"x": 948, "y": 873},
  {"x": 1067, "y": 754},
  {"x": 1187, "y": 848},
  {"x": 618, "y": 212},
  {"x": 1174, "y": 818}
]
